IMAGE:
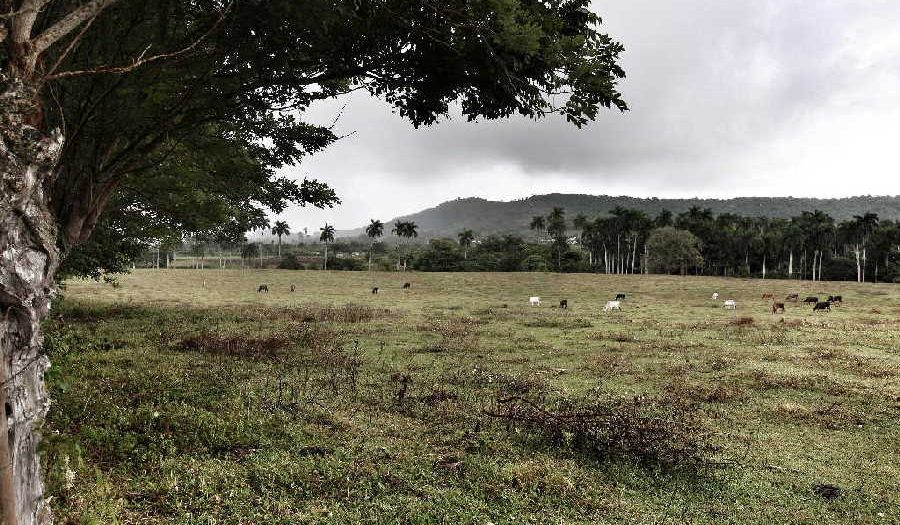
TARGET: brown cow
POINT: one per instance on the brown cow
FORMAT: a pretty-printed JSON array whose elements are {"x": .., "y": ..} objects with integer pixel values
[
  {"x": 776, "y": 307},
  {"x": 792, "y": 297},
  {"x": 768, "y": 296}
]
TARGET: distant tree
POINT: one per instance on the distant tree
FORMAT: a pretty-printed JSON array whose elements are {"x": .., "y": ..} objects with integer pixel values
[
  {"x": 441, "y": 255},
  {"x": 374, "y": 230},
  {"x": 249, "y": 252},
  {"x": 465, "y": 240},
  {"x": 326, "y": 237},
  {"x": 672, "y": 250},
  {"x": 280, "y": 229},
  {"x": 663, "y": 219},
  {"x": 404, "y": 230},
  {"x": 864, "y": 225},
  {"x": 554, "y": 224}
]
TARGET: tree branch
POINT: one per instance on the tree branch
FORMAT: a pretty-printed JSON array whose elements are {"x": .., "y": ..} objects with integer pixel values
[
  {"x": 141, "y": 60},
  {"x": 68, "y": 24}
]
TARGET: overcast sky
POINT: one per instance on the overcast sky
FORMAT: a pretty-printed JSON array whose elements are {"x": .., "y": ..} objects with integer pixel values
[{"x": 728, "y": 98}]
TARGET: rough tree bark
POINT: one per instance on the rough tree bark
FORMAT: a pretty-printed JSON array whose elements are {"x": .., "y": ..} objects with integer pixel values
[{"x": 29, "y": 258}]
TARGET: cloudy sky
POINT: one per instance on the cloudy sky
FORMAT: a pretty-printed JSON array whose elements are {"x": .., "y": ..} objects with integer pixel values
[{"x": 728, "y": 98}]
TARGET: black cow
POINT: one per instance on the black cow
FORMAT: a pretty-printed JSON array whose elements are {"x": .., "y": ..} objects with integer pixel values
[
  {"x": 263, "y": 288},
  {"x": 619, "y": 297},
  {"x": 835, "y": 299},
  {"x": 825, "y": 306},
  {"x": 811, "y": 299},
  {"x": 375, "y": 290},
  {"x": 564, "y": 303},
  {"x": 406, "y": 286},
  {"x": 293, "y": 288}
]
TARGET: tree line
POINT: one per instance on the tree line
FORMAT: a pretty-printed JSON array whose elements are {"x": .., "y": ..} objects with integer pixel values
[{"x": 812, "y": 245}]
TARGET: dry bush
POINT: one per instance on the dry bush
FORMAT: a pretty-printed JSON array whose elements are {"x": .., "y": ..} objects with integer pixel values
[
  {"x": 832, "y": 417},
  {"x": 763, "y": 380},
  {"x": 234, "y": 345},
  {"x": 619, "y": 337},
  {"x": 348, "y": 313},
  {"x": 652, "y": 431},
  {"x": 719, "y": 392},
  {"x": 456, "y": 334},
  {"x": 718, "y": 363},
  {"x": 870, "y": 367},
  {"x": 565, "y": 322}
]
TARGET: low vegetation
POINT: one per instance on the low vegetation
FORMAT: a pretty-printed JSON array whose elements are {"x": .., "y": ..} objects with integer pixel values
[{"x": 456, "y": 402}]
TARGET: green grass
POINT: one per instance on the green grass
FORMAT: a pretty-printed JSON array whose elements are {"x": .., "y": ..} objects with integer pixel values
[{"x": 178, "y": 403}]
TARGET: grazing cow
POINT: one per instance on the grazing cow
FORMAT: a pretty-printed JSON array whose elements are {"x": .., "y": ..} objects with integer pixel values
[
  {"x": 776, "y": 307},
  {"x": 811, "y": 299},
  {"x": 825, "y": 306},
  {"x": 375, "y": 290},
  {"x": 612, "y": 305},
  {"x": 534, "y": 301},
  {"x": 768, "y": 296},
  {"x": 564, "y": 303},
  {"x": 263, "y": 288},
  {"x": 620, "y": 296},
  {"x": 406, "y": 286},
  {"x": 715, "y": 296},
  {"x": 293, "y": 288},
  {"x": 835, "y": 299},
  {"x": 792, "y": 297},
  {"x": 730, "y": 304}
]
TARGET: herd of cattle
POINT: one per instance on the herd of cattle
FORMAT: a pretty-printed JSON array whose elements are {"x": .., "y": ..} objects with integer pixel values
[
  {"x": 729, "y": 304},
  {"x": 818, "y": 305},
  {"x": 616, "y": 304}
]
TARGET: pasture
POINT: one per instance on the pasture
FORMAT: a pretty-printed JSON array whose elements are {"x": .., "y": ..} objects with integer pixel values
[{"x": 454, "y": 401}]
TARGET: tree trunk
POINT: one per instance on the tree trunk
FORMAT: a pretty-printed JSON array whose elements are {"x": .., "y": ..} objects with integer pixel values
[
  {"x": 31, "y": 256},
  {"x": 633, "y": 254},
  {"x": 864, "y": 264},
  {"x": 858, "y": 269},
  {"x": 820, "y": 265},
  {"x": 791, "y": 265},
  {"x": 325, "y": 265},
  {"x": 764, "y": 267}
]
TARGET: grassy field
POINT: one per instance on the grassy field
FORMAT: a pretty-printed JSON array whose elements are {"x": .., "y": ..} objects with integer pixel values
[{"x": 456, "y": 402}]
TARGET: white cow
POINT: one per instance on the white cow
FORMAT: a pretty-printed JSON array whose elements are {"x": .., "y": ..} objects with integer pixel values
[
  {"x": 715, "y": 296},
  {"x": 730, "y": 304},
  {"x": 534, "y": 301},
  {"x": 612, "y": 305}
]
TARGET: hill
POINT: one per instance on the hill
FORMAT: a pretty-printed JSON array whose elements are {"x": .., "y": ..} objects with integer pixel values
[{"x": 484, "y": 216}]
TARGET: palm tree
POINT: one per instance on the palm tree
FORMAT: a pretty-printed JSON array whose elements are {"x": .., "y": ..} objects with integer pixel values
[
  {"x": 538, "y": 223},
  {"x": 326, "y": 237},
  {"x": 864, "y": 225},
  {"x": 374, "y": 230},
  {"x": 556, "y": 227},
  {"x": 281, "y": 228},
  {"x": 405, "y": 230},
  {"x": 465, "y": 240}
]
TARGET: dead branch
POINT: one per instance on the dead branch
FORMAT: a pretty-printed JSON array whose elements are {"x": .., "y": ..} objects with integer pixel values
[{"x": 142, "y": 60}]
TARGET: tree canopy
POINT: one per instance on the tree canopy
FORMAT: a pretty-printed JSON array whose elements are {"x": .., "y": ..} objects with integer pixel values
[{"x": 193, "y": 140}]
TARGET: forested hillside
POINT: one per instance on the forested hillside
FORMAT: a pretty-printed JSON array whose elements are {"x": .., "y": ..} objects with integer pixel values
[{"x": 484, "y": 216}]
